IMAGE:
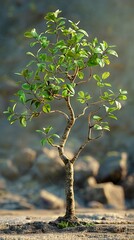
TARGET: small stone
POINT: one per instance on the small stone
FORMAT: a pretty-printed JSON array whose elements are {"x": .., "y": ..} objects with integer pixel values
[
  {"x": 24, "y": 160},
  {"x": 95, "y": 204},
  {"x": 50, "y": 201},
  {"x": 2, "y": 184},
  {"x": 8, "y": 169},
  {"x": 128, "y": 186},
  {"x": 12, "y": 201},
  {"x": 114, "y": 168},
  {"x": 106, "y": 193},
  {"x": 91, "y": 181},
  {"x": 85, "y": 167},
  {"x": 48, "y": 168}
]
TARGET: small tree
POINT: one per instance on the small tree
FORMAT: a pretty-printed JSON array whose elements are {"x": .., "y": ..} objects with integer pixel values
[{"x": 57, "y": 73}]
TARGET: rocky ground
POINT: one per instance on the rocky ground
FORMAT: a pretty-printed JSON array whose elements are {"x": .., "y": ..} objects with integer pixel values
[
  {"x": 104, "y": 224},
  {"x": 32, "y": 179}
]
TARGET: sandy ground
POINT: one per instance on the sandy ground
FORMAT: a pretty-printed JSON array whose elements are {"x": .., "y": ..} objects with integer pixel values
[{"x": 105, "y": 225}]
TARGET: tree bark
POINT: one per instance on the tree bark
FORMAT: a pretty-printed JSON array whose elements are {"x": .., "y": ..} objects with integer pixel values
[{"x": 69, "y": 191}]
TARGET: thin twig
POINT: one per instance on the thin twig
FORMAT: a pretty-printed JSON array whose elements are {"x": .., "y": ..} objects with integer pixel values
[
  {"x": 85, "y": 81},
  {"x": 83, "y": 113},
  {"x": 58, "y": 111}
]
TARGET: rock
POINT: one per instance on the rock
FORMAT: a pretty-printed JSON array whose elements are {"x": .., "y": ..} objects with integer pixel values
[
  {"x": 50, "y": 201},
  {"x": 2, "y": 184},
  {"x": 48, "y": 167},
  {"x": 85, "y": 167},
  {"x": 95, "y": 204},
  {"x": 24, "y": 160},
  {"x": 130, "y": 203},
  {"x": 106, "y": 193},
  {"x": 114, "y": 168},
  {"x": 13, "y": 201},
  {"x": 128, "y": 186},
  {"x": 8, "y": 169},
  {"x": 91, "y": 181}
]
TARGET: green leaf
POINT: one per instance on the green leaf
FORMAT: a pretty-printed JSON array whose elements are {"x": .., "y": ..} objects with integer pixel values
[
  {"x": 97, "y": 127},
  {"x": 107, "y": 84},
  {"x": 30, "y": 63},
  {"x": 100, "y": 84},
  {"x": 96, "y": 77},
  {"x": 87, "y": 96},
  {"x": 122, "y": 97},
  {"x": 22, "y": 96},
  {"x": 52, "y": 67},
  {"x": 123, "y": 91},
  {"x": 28, "y": 34},
  {"x": 112, "y": 109},
  {"x": 10, "y": 117},
  {"x": 112, "y": 52},
  {"x": 32, "y": 34},
  {"x": 23, "y": 121},
  {"x": 46, "y": 108},
  {"x": 98, "y": 50},
  {"x": 107, "y": 128},
  {"x": 106, "y": 108},
  {"x": 39, "y": 131},
  {"x": 105, "y": 75},
  {"x": 81, "y": 100},
  {"x": 55, "y": 135},
  {"x": 26, "y": 86},
  {"x": 48, "y": 129},
  {"x": 83, "y": 97},
  {"x": 32, "y": 44},
  {"x": 118, "y": 105},
  {"x": 112, "y": 116},
  {"x": 57, "y": 12},
  {"x": 101, "y": 62},
  {"x": 9, "y": 110},
  {"x": 65, "y": 93},
  {"x": 97, "y": 118},
  {"x": 70, "y": 88},
  {"x": 93, "y": 61},
  {"x": 84, "y": 32},
  {"x": 14, "y": 106},
  {"x": 80, "y": 75},
  {"x": 37, "y": 104},
  {"x": 81, "y": 94},
  {"x": 50, "y": 140},
  {"x": 43, "y": 141},
  {"x": 19, "y": 74},
  {"x": 31, "y": 54},
  {"x": 41, "y": 66}
]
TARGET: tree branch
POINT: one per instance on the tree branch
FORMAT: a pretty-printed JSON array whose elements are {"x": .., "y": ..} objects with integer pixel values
[
  {"x": 85, "y": 81},
  {"x": 83, "y": 113},
  {"x": 58, "y": 111},
  {"x": 70, "y": 123},
  {"x": 80, "y": 150}
]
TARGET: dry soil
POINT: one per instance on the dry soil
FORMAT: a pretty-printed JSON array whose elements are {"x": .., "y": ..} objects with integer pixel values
[{"x": 34, "y": 225}]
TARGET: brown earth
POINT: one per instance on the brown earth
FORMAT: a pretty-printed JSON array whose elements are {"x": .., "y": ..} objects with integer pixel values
[{"x": 103, "y": 225}]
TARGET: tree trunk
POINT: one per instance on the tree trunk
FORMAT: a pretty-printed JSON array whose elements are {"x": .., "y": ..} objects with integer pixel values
[{"x": 69, "y": 191}]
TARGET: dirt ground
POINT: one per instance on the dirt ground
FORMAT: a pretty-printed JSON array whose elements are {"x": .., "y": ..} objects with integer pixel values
[{"x": 34, "y": 225}]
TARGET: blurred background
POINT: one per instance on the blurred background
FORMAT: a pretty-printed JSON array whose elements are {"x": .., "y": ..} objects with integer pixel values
[{"x": 33, "y": 177}]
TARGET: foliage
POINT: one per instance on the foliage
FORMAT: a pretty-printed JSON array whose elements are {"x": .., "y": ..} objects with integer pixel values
[
  {"x": 60, "y": 56},
  {"x": 67, "y": 224}
]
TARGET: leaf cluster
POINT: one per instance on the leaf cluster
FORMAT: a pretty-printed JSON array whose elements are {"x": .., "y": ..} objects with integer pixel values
[{"x": 59, "y": 57}]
